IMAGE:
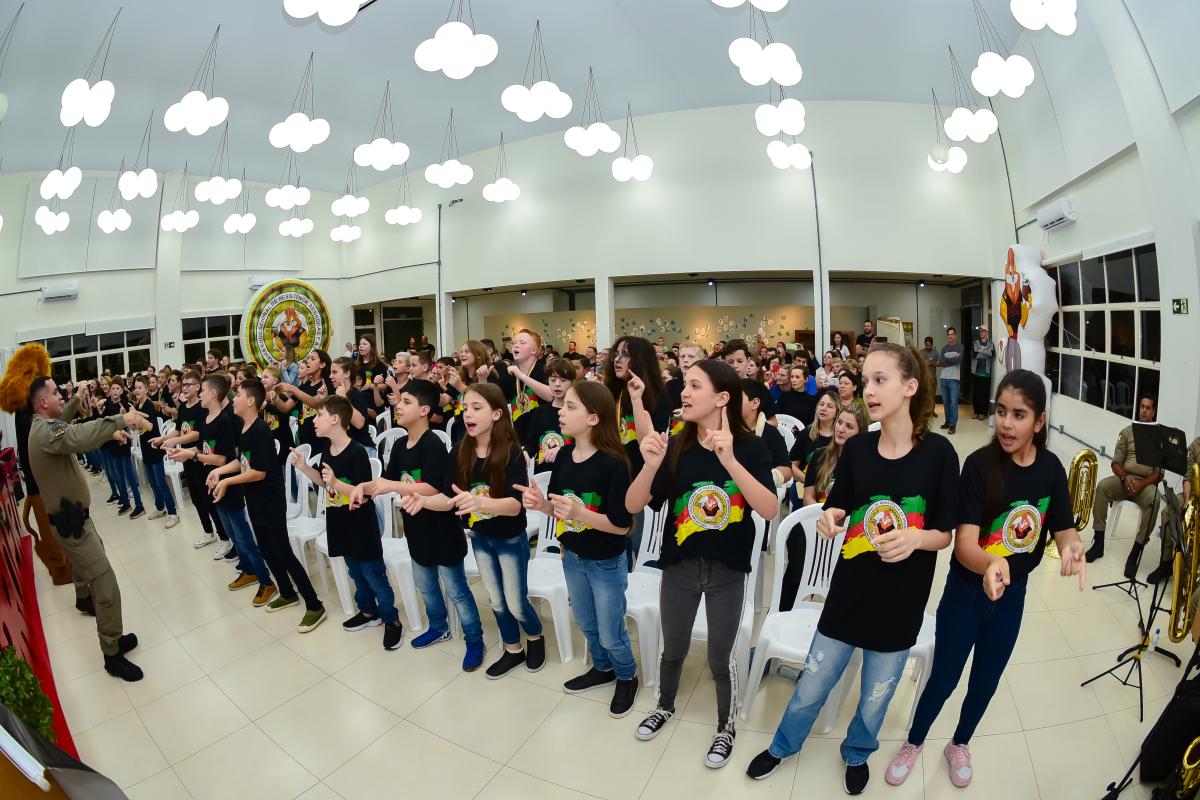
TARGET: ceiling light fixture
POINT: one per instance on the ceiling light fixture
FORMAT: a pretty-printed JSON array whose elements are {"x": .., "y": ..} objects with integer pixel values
[
  {"x": 501, "y": 189},
  {"x": 242, "y": 220},
  {"x": 1059, "y": 15},
  {"x": 182, "y": 218},
  {"x": 998, "y": 69},
  {"x": 405, "y": 213},
  {"x": 455, "y": 49},
  {"x": 61, "y": 183},
  {"x": 759, "y": 64},
  {"x": 302, "y": 128},
  {"x": 349, "y": 206},
  {"x": 5, "y": 41},
  {"x": 762, "y": 5},
  {"x": 641, "y": 166},
  {"x": 333, "y": 13},
  {"x": 536, "y": 95},
  {"x": 144, "y": 183},
  {"x": 589, "y": 139},
  {"x": 383, "y": 151},
  {"x": 968, "y": 120},
  {"x": 113, "y": 218},
  {"x": 943, "y": 157},
  {"x": 83, "y": 101},
  {"x": 200, "y": 108},
  {"x": 450, "y": 171},
  {"x": 217, "y": 189}
]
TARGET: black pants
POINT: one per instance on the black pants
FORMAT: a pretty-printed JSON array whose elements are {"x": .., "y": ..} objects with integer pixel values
[
  {"x": 981, "y": 390},
  {"x": 270, "y": 531},
  {"x": 202, "y": 500},
  {"x": 794, "y": 571}
]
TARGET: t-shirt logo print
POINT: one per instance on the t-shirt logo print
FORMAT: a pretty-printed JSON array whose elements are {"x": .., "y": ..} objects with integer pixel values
[
  {"x": 413, "y": 476},
  {"x": 551, "y": 440},
  {"x": 708, "y": 507},
  {"x": 880, "y": 515},
  {"x": 1017, "y": 530},
  {"x": 209, "y": 446},
  {"x": 482, "y": 490},
  {"x": 590, "y": 500},
  {"x": 335, "y": 499}
]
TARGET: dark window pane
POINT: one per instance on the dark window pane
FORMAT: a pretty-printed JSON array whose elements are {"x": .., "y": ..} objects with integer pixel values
[
  {"x": 193, "y": 352},
  {"x": 1069, "y": 284},
  {"x": 193, "y": 328},
  {"x": 61, "y": 371},
  {"x": 112, "y": 341},
  {"x": 1147, "y": 271},
  {"x": 237, "y": 349},
  {"x": 1091, "y": 278},
  {"x": 1095, "y": 381},
  {"x": 1069, "y": 376},
  {"x": 1119, "y": 267},
  {"x": 137, "y": 338},
  {"x": 218, "y": 326},
  {"x": 1093, "y": 331},
  {"x": 1122, "y": 378},
  {"x": 1121, "y": 335},
  {"x": 85, "y": 369},
  {"x": 1151, "y": 336},
  {"x": 1052, "y": 371},
  {"x": 1052, "y": 335},
  {"x": 220, "y": 345},
  {"x": 1147, "y": 383},
  {"x": 84, "y": 344},
  {"x": 364, "y": 317},
  {"x": 59, "y": 346},
  {"x": 113, "y": 362},
  {"x": 1070, "y": 334},
  {"x": 1053, "y": 273},
  {"x": 237, "y": 322},
  {"x": 139, "y": 360}
]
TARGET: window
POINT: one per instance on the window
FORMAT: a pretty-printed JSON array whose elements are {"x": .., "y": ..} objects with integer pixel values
[
  {"x": 201, "y": 334},
  {"x": 1104, "y": 344},
  {"x": 364, "y": 323},
  {"x": 83, "y": 357}
]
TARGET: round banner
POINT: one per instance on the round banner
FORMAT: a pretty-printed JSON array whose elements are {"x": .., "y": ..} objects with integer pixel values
[{"x": 281, "y": 315}]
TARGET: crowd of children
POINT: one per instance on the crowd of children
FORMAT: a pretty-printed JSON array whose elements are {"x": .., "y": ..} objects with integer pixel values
[{"x": 619, "y": 441}]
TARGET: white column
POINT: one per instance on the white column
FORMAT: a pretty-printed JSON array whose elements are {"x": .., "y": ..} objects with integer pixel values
[
  {"x": 821, "y": 316},
  {"x": 1173, "y": 202},
  {"x": 606, "y": 320},
  {"x": 168, "y": 325},
  {"x": 444, "y": 314}
]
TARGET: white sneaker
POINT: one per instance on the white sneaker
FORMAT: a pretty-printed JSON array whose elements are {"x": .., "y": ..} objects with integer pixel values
[
  {"x": 155, "y": 514},
  {"x": 203, "y": 541},
  {"x": 171, "y": 521},
  {"x": 222, "y": 550}
]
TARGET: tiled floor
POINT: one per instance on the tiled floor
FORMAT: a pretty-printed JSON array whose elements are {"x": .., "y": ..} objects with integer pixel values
[{"x": 236, "y": 703}]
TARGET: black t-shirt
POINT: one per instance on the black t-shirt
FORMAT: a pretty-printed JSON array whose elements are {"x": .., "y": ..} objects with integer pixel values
[
  {"x": 187, "y": 420},
  {"x": 542, "y": 434},
  {"x": 256, "y": 450},
  {"x": 864, "y": 341},
  {"x": 777, "y": 447},
  {"x": 151, "y": 455},
  {"x": 361, "y": 402},
  {"x": 278, "y": 423},
  {"x": 484, "y": 524},
  {"x": 306, "y": 433},
  {"x": 115, "y": 448},
  {"x": 1035, "y": 500},
  {"x": 660, "y": 418},
  {"x": 522, "y": 401},
  {"x": 871, "y": 604},
  {"x": 805, "y": 446},
  {"x": 810, "y": 476},
  {"x": 435, "y": 538},
  {"x": 708, "y": 516},
  {"x": 599, "y": 483},
  {"x": 674, "y": 393},
  {"x": 219, "y": 436},
  {"x": 801, "y": 405},
  {"x": 353, "y": 533}
]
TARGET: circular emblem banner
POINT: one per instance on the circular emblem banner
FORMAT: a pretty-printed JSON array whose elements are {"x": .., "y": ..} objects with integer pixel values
[{"x": 281, "y": 315}]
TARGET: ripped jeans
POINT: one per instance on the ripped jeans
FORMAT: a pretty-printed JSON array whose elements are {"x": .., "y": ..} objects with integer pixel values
[{"x": 827, "y": 660}]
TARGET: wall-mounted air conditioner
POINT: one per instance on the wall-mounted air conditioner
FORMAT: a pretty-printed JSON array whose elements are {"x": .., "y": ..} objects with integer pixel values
[
  {"x": 60, "y": 291},
  {"x": 1060, "y": 212}
]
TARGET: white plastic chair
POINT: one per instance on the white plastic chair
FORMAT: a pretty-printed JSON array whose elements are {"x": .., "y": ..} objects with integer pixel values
[
  {"x": 642, "y": 593},
  {"x": 449, "y": 424},
  {"x": 535, "y": 521},
  {"x": 787, "y": 635},
  {"x": 373, "y": 432},
  {"x": 304, "y": 529},
  {"x": 385, "y": 441},
  {"x": 300, "y": 506},
  {"x": 383, "y": 422},
  {"x": 788, "y": 426},
  {"x": 337, "y": 564},
  {"x": 445, "y": 437},
  {"x": 547, "y": 580},
  {"x": 1114, "y": 514},
  {"x": 874, "y": 426},
  {"x": 173, "y": 469}
]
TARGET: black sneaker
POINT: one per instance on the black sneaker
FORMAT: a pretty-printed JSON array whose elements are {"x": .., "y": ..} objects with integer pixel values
[
  {"x": 393, "y": 635},
  {"x": 127, "y": 643},
  {"x": 231, "y": 556},
  {"x": 951, "y": 429},
  {"x": 590, "y": 680},
  {"x": 857, "y": 777},
  {"x": 623, "y": 696},
  {"x": 121, "y": 667},
  {"x": 112, "y": 499},
  {"x": 1161, "y": 573},
  {"x": 720, "y": 750},
  {"x": 122, "y": 510},
  {"x": 86, "y": 605},
  {"x": 763, "y": 765},
  {"x": 360, "y": 621},
  {"x": 653, "y": 724},
  {"x": 506, "y": 662},
  {"x": 535, "y": 654},
  {"x": 945, "y": 425},
  {"x": 137, "y": 512}
]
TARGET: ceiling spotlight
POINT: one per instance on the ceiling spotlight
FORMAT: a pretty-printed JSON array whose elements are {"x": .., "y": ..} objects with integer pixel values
[
  {"x": 711, "y": 282},
  {"x": 453, "y": 299},
  {"x": 523, "y": 293},
  {"x": 921, "y": 284}
]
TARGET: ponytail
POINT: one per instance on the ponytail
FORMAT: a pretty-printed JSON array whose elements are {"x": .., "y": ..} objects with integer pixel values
[{"x": 914, "y": 366}]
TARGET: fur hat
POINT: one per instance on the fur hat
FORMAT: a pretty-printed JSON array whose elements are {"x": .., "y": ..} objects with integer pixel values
[{"x": 30, "y": 362}]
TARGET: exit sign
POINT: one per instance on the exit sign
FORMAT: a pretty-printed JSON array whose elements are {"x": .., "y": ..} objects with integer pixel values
[{"x": 1179, "y": 305}]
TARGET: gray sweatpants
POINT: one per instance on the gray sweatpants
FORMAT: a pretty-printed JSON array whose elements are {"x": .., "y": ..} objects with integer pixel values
[{"x": 683, "y": 584}]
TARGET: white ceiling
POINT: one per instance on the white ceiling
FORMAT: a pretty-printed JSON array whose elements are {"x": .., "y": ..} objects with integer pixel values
[{"x": 661, "y": 55}]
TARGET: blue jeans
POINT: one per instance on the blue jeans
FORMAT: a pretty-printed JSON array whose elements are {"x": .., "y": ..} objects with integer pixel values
[
  {"x": 967, "y": 618},
  {"x": 372, "y": 593},
  {"x": 597, "y": 592},
  {"x": 504, "y": 568},
  {"x": 107, "y": 464},
  {"x": 127, "y": 480},
  {"x": 455, "y": 581},
  {"x": 157, "y": 475},
  {"x": 827, "y": 659},
  {"x": 949, "y": 389},
  {"x": 237, "y": 526}
]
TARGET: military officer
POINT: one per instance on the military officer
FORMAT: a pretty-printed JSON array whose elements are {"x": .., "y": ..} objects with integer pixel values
[{"x": 53, "y": 444}]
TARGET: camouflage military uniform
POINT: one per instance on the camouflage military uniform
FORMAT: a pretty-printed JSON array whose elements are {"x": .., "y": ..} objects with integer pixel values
[
  {"x": 53, "y": 444},
  {"x": 1112, "y": 489}
]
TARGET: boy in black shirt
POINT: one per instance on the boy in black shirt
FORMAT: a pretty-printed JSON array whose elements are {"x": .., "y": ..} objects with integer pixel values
[
  {"x": 543, "y": 439},
  {"x": 152, "y": 457},
  {"x": 353, "y": 532},
  {"x": 259, "y": 472},
  {"x": 419, "y": 467}
]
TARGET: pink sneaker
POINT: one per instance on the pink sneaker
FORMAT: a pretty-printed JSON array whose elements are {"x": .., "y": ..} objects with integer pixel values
[
  {"x": 902, "y": 765},
  {"x": 958, "y": 756}
]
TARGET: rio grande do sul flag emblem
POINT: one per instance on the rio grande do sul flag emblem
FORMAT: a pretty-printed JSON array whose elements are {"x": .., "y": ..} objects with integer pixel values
[{"x": 880, "y": 515}]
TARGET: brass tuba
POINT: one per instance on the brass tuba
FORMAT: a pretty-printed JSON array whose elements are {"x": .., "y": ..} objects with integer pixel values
[
  {"x": 1187, "y": 564},
  {"x": 1081, "y": 483}
]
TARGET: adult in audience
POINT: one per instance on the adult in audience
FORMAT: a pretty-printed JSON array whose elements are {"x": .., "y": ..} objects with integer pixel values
[
  {"x": 796, "y": 401},
  {"x": 865, "y": 339},
  {"x": 827, "y": 373},
  {"x": 950, "y": 359},
  {"x": 574, "y": 354},
  {"x": 983, "y": 350},
  {"x": 839, "y": 345},
  {"x": 1130, "y": 481},
  {"x": 930, "y": 353}
]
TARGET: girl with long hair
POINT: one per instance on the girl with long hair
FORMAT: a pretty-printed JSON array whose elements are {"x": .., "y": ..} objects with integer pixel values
[
  {"x": 342, "y": 373},
  {"x": 816, "y": 435},
  {"x": 273, "y": 413},
  {"x": 894, "y": 497},
  {"x": 315, "y": 384},
  {"x": 474, "y": 366},
  {"x": 1014, "y": 490},
  {"x": 120, "y": 453},
  {"x": 711, "y": 475},
  {"x": 586, "y": 498}
]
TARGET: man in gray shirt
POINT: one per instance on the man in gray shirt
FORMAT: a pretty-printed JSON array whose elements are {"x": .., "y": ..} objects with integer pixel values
[{"x": 951, "y": 363}]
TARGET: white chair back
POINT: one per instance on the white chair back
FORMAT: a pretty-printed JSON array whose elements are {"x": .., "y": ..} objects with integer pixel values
[
  {"x": 653, "y": 522},
  {"x": 785, "y": 430},
  {"x": 790, "y": 423},
  {"x": 820, "y": 555},
  {"x": 168, "y": 427},
  {"x": 449, "y": 424},
  {"x": 384, "y": 502},
  {"x": 445, "y": 437},
  {"x": 385, "y": 440},
  {"x": 374, "y": 434},
  {"x": 760, "y": 536},
  {"x": 874, "y": 426},
  {"x": 376, "y": 468},
  {"x": 289, "y": 470},
  {"x": 383, "y": 421},
  {"x": 544, "y": 524}
]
